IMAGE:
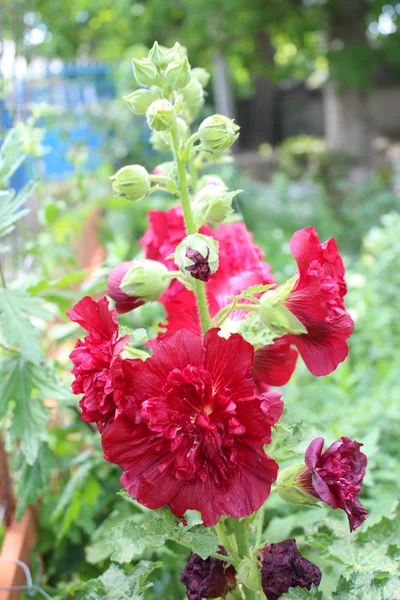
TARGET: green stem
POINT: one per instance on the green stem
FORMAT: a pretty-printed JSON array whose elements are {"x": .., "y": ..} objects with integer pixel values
[
  {"x": 193, "y": 175},
  {"x": 199, "y": 287}
]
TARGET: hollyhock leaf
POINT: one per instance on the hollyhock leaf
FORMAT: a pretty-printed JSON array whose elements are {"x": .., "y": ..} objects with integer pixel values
[
  {"x": 115, "y": 584},
  {"x": 378, "y": 585},
  {"x": 302, "y": 594},
  {"x": 99, "y": 548},
  {"x": 130, "y": 539},
  {"x": 29, "y": 417},
  {"x": 201, "y": 541}
]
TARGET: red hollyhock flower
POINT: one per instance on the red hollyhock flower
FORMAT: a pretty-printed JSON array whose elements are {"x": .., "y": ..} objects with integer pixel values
[
  {"x": 317, "y": 300},
  {"x": 97, "y": 364},
  {"x": 284, "y": 567},
  {"x": 193, "y": 436},
  {"x": 274, "y": 364},
  {"x": 335, "y": 476},
  {"x": 210, "y": 578},
  {"x": 123, "y": 302}
]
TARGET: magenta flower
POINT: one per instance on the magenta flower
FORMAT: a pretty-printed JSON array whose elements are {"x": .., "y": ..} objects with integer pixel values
[
  {"x": 335, "y": 476},
  {"x": 284, "y": 567}
]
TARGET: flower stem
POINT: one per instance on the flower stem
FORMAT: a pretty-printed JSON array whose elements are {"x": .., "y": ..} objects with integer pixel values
[{"x": 199, "y": 287}]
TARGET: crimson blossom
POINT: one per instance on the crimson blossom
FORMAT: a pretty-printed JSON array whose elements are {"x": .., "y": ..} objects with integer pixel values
[
  {"x": 97, "y": 362},
  {"x": 335, "y": 476},
  {"x": 192, "y": 434},
  {"x": 317, "y": 300}
]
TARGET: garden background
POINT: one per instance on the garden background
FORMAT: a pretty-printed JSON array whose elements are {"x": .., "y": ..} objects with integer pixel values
[{"x": 315, "y": 87}]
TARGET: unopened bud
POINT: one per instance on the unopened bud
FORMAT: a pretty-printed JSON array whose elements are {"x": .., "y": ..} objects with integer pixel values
[
  {"x": 131, "y": 182},
  {"x": 159, "y": 141},
  {"x": 217, "y": 133},
  {"x": 163, "y": 169},
  {"x": 158, "y": 55},
  {"x": 213, "y": 204},
  {"x": 192, "y": 97},
  {"x": 211, "y": 180},
  {"x": 177, "y": 74},
  {"x": 202, "y": 76},
  {"x": 197, "y": 256},
  {"x": 276, "y": 316},
  {"x": 292, "y": 485},
  {"x": 176, "y": 53},
  {"x": 161, "y": 115},
  {"x": 182, "y": 130},
  {"x": 139, "y": 101},
  {"x": 146, "y": 279},
  {"x": 145, "y": 71}
]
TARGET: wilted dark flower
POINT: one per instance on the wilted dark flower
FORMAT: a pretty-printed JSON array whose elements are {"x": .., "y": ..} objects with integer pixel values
[
  {"x": 284, "y": 567},
  {"x": 209, "y": 578}
]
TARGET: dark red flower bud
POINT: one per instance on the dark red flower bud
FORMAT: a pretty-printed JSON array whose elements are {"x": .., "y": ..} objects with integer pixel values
[
  {"x": 210, "y": 578},
  {"x": 284, "y": 567},
  {"x": 335, "y": 476},
  {"x": 200, "y": 269}
]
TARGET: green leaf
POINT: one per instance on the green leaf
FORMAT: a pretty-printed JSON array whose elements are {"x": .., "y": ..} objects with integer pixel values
[
  {"x": 115, "y": 584},
  {"x": 302, "y": 594},
  {"x": 11, "y": 154},
  {"x": 129, "y": 539},
  {"x": 16, "y": 308},
  {"x": 33, "y": 480},
  {"x": 74, "y": 485},
  {"x": 30, "y": 417},
  {"x": 377, "y": 585},
  {"x": 200, "y": 540},
  {"x": 100, "y": 547}
]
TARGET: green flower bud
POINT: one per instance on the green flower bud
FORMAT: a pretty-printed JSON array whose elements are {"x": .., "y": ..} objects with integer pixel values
[
  {"x": 274, "y": 314},
  {"x": 202, "y": 76},
  {"x": 146, "y": 279},
  {"x": 290, "y": 487},
  {"x": 197, "y": 256},
  {"x": 159, "y": 141},
  {"x": 192, "y": 97},
  {"x": 213, "y": 204},
  {"x": 177, "y": 74},
  {"x": 145, "y": 71},
  {"x": 217, "y": 133},
  {"x": 176, "y": 53},
  {"x": 158, "y": 55},
  {"x": 139, "y": 101},
  {"x": 131, "y": 182},
  {"x": 161, "y": 115}
]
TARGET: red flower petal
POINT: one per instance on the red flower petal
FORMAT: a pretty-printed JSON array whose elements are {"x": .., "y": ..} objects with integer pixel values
[{"x": 274, "y": 364}]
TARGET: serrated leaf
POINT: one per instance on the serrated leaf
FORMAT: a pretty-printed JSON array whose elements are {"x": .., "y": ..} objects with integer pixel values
[
  {"x": 29, "y": 417},
  {"x": 129, "y": 539},
  {"x": 303, "y": 594},
  {"x": 201, "y": 541},
  {"x": 16, "y": 308},
  {"x": 378, "y": 585},
  {"x": 100, "y": 547},
  {"x": 115, "y": 584}
]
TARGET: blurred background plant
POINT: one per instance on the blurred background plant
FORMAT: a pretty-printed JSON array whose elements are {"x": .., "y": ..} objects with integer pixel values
[{"x": 315, "y": 86}]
